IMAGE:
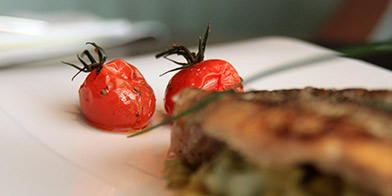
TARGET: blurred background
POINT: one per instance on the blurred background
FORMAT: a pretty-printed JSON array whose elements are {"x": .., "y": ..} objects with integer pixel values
[
  {"x": 231, "y": 19},
  {"x": 331, "y": 23}
]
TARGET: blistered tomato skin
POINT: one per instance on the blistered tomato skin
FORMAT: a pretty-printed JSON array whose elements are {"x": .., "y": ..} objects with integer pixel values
[
  {"x": 118, "y": 98},
  {"x": 210, "y": 75}
]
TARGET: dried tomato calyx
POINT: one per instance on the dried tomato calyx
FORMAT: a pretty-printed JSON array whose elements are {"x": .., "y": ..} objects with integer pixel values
[
  {"x": 94, "y": 65},
  {"x": 190, "y": 57}
]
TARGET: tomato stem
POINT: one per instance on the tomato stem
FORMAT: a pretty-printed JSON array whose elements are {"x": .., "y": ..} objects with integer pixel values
[
  {"x": 190, "y": 57},
  {"x": 94, "y": 65}
]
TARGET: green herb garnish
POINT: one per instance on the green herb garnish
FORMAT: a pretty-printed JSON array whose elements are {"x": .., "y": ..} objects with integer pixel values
[{"x": 201, "y": 104}]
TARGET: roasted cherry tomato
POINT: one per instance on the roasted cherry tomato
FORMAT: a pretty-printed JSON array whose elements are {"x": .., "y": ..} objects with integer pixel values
[
  {"x": 210, "y": 75},
  {"x": 114, "y": 96}
]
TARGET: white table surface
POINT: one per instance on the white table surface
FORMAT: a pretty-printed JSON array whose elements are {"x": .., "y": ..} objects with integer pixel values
[{"x": 46, "y": 148}]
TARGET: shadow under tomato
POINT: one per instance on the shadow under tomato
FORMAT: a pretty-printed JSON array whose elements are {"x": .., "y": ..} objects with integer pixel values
[
  {"x": 143, "y": 155},
  {"x": 72, "y": 112}
]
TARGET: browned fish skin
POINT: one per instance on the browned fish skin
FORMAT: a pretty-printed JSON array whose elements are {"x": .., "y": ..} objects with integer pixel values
[
  {"x": 344, "y": 132},
  {"x": 188, "y": 141}
]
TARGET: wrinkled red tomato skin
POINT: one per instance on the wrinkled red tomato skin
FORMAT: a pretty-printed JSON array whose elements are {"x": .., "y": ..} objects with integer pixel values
[
  {"x": 210, "y": 75},
  {"x": 118, "y": 98}
]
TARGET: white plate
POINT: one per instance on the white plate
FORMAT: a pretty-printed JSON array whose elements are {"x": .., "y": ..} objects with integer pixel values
[{"x": 47, "y": 149}]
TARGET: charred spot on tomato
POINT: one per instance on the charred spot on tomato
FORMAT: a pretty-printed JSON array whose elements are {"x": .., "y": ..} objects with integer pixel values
[
  {"x": 104, "y": 91},
  {"x": 137, "y": 114},
  {"x": 138, "y": 92},
  {"x": 169, "y": 86}
]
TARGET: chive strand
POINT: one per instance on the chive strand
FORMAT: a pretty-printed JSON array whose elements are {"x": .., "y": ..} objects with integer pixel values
[{"x": 198, "y": 106}]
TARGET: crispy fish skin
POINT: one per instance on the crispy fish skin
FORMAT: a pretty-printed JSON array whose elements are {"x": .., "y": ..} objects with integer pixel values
[{"x": 342, "y": 132}]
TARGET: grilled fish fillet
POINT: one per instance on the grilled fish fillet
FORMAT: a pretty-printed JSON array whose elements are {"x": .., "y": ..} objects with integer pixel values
[{"x": 343, "y": 132}]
